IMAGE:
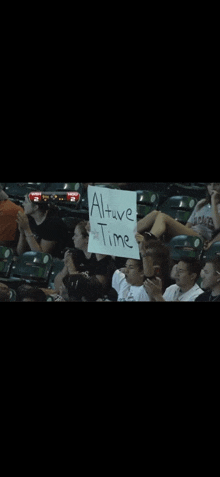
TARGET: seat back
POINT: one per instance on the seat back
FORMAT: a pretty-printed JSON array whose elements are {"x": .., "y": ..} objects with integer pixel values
[
  {"x": 185, "y": 246},
  {"x": 108, "y": 186},
  {"x": 13, "y": 295},
  {"x": 179, "y": 207},
  {"x": 6, "y": 260},
  {"x": 33, "y": 267},
  {"x": 18, "y": 190},
  {"x": 147, "y": 201},
  {"x": 212, "y": 252}
]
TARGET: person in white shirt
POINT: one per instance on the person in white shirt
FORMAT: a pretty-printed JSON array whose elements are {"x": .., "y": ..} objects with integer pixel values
[
  {"x": 187, "y": 273},
  {"x": 128, "y": 282}
]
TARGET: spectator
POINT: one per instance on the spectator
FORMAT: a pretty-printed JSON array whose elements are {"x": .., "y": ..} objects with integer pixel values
[
  {"x": 4, "y": 293},
  {"x": 8, "y": 223},
  {"x": 95, "y": 267},
  {"x": 128, "y": 283},
  {"x": 40, "y": 229},
  {"x": 204, "y": 221},
  {"x": 80, "y": 288},
  {"x": 28, "y": 293},
  {"x": 156, "y": 259},
  {"x": 187, "y": 273},
  {"x": 210, "y": 281},
  {"x": 22, "y": 290},
  {"x": 31, "y": 294}
]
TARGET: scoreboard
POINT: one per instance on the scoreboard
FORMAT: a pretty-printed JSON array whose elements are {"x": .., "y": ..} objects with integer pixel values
[{"x": 56, "y": 197}]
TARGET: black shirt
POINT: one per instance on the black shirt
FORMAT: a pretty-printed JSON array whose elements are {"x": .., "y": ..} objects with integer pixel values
[
  {"x": 105, "y": 266},
  {"x": 52, "y": 229},
  {"x": 207, "y": 296}
]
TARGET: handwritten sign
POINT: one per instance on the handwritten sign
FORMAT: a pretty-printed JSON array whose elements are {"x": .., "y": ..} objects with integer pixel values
[{"x": 113, "y": 222}]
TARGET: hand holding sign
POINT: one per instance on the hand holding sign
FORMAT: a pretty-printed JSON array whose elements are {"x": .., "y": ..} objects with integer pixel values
[{"x": 113, "y": 222}]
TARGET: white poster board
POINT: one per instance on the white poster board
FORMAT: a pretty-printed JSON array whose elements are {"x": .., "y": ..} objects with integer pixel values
[{"x": 113, "y": 222}]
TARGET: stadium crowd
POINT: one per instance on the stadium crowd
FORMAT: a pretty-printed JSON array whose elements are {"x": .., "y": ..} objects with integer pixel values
[{"x": 79, "y": 275}]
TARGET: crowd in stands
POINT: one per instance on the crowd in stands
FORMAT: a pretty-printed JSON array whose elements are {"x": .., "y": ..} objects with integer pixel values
[{"x": 83, "y": 276}]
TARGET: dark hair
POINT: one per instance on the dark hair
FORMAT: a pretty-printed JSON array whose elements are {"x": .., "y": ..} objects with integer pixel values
[
  {"x": 215, "y": 262},
  {"x": 82, "y": 226},
  {"x": 22, "y": 290},
  {"x": 139, "y": 263},
  {"x": 161, "y": 256},
  {"x": 4, "y": 294},
  {"x": 34, "y": 293},
  {"x": 78, "y": 286},
  {"x": 193, "y": 265},
  {"x": 52, "y": 209}
]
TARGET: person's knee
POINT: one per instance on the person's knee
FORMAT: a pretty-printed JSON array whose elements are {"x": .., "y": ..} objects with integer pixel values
[
  {"x": 163, "y": 216},
  {"x": 156, "y": 213},
  {"x": 159, "y": 215}
]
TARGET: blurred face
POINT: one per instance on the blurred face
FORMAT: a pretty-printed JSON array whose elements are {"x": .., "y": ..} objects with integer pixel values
[
  {"x": 80, "y": 242},
  {"x": 134, "y": 276},
  {"x": 28, "y": 206},
  {"x": 4, "y": 292},
  {"x": 213, "y": 186},
  {"x": 173, "y": 272},
  {"x": 210, "y": 277},
  {"x": 182, "y": 276}
]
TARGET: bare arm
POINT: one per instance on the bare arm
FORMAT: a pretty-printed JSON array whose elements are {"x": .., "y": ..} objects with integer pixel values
[
  {"x": 27, "y": 241},
  {"x": 154, "y": 289},
  {"x": 58, "y": 280},
  {"x": 147, "y": 222},
  {"x": 71, "y": 269},
  {"x": 22, "y": 245},
  {"x": 215, "y": 213},
  {"x": 27, "y": 238}
]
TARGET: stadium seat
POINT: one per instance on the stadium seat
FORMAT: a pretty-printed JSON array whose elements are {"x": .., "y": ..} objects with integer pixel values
[
  {"x": 146, "y": 202},
  {"x": 191, "y": 189},
  {"x": 13, "y": 295},
  {"x": 108, "y": 186},
  {"x": 59, "y": 186},
  {"x": 187, "y": 246},
  {"x": 6, "y": 260},
  {"x": 32, "y": 267},
  {"x": 71, "y": 223},
  {"x": 179, "y": 207},
  {"x": 212, "y": 252},
  {"x": 65, "y": 212},
  {"x": 19, "y": 190}
]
